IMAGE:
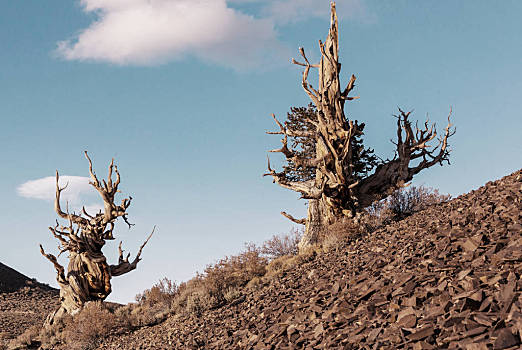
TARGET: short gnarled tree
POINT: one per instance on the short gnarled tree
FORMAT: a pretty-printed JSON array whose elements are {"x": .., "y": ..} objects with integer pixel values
[
  {"x": 327, "y": 162},
  {"x": 88, "y": 276}
]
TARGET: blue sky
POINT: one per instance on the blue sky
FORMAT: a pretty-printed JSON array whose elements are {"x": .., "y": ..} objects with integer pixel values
[{"x": 180, "y": 93}]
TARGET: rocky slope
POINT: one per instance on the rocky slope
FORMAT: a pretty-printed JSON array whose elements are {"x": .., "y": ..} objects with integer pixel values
[
  {"x": 23, "y": 303},
  {"x": 444, "y": 278}
]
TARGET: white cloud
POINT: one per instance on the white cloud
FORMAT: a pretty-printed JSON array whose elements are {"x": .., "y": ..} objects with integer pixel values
[
  {"x": 45, "y": 188},
  {"x": 77, "y": 192},
  {"x": 145, "y": 32},
  {"x": 149, "y": 32}
]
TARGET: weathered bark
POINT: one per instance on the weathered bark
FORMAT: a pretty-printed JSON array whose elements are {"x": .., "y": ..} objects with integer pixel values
[
  {"x": 89, "y": 275},
  {"x": 316, "y": 221},
  {"x": 337, "y": 191}
]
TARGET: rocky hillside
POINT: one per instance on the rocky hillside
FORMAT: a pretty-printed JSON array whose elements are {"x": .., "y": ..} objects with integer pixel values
[
  {"x": 23, "y": 303},
  {"x": 444, "y": 278}
]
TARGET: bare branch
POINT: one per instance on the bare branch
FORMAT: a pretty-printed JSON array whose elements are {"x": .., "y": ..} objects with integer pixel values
[
  {"x": 349, "y": 88},
  {"x": 94, "y": 179},
  {"x": 76, "y": 218},
  {"x": 84, "y": 211},
  {"x": 306, "y": 188},
  {"x": 59, "y": 268},
  {"x": 291, "y": 218}
]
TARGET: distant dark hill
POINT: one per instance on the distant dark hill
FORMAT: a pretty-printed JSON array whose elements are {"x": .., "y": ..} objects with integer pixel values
[
  {"x": 24, "y": 302},
  {"x": 12, "y": 280}
]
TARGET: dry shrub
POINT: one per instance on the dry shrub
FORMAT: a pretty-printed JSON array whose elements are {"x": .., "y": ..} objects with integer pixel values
[
  {"x": 255, "y": 283},
  {"x": 125, "y": 316},
  {"x": 341, "y": 233},
  {"x": 153, "y": 306},
  {"x": 233, "y": 272},
  {"x": 376, "y": 216},
  {"x": 406, "y": 201},
  {"x": 199, "y": 300},
  {"x": 92, "y": 323},
  {"x": 277, "y": 265},
  {"x": 54, "y": 335},
  {"x": 287, "y": 262},
  {"x": 232, "y": 294},
  {"x": 221, "y": 283},
  {"x": 281, "y": 245},
  {"x": 97, "y": 320},
  {"x": 193, "y": 297},
  {"x": 161, "y": 293},
  {"x": 140, "y": 315},
  {"x": 332, "y": 242},
  {"x": 399, "y": 205}
]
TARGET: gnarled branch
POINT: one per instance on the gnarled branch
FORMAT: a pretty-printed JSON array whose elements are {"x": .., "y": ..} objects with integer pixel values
[
  {"x": 59, "y": 268},
  {"x": 123, "y": 263}
]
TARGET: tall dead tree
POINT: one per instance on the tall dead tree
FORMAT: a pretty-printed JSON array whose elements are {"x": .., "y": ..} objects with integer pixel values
[
  {"x": 88, "y": 276},
  {"x": 337, "y": 190}
]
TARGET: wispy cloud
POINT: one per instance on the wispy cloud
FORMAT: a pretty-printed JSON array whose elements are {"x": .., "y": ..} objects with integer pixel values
[
  {"x": 149, "y": 32},
  {"x": 77, "y": 192}
]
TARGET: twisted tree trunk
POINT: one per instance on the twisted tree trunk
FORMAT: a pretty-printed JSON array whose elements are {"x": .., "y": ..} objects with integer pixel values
[
  {"x": 337, "y": 190},
  {"x": 88, "y": 276}
]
